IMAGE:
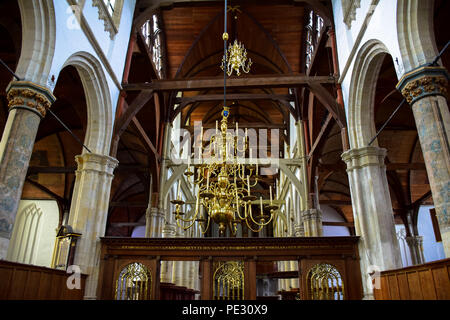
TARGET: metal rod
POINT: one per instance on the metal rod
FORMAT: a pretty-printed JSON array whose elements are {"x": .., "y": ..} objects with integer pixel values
[
  {"x": 440, "y": 53},
  {"x": 387, "y": 121},
  {"x": 9, "y": 69},
  {"x": 70, "y": 131},
  {"x": 404, "y": 100},
  {"x": 51, "y": 112},
  {"x": 225, "y": 59}
]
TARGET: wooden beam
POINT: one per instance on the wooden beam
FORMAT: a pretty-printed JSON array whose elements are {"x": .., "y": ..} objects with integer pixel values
[
  {"x": 329, "y": 102},
  {"x": 47, "y": 191},
  {"x": 262, "y": 81},
  {"x": 146, "y": 139},
  {"x": 125, "y": 204},
  {"x": 234, "y": 96},
  {"x": 131, "y": 111},
  {"x": 389, "y": 166},
  {"x": 322, "y": 134},
  {"x": 338, "y": 224}
]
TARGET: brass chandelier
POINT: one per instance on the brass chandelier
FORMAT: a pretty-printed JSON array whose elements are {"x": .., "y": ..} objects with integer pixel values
[{"x": 223, "y": 182}]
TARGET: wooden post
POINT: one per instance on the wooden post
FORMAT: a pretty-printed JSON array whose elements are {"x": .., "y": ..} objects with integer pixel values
[
  {"x": 250, "y": 280},
  {"x": 206, "y": 280}
]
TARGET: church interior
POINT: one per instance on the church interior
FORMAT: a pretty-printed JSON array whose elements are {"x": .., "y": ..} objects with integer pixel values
[{"x": 224, "y": 150}]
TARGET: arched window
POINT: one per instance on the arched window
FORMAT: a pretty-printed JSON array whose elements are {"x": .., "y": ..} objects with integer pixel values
[
  {"x": 324, "y": 282},
  {"x": 134, "y": 283},
  {"x": 153, "y": 38}
]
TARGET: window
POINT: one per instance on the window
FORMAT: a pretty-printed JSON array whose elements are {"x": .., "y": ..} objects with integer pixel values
[
  {"x": 314, "y": 27},
  {"x": 110, "y": 6},
  {"x": 153, "y": 39}
]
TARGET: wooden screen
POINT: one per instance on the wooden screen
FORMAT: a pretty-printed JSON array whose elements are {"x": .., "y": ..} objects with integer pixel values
[
  {"x": 228, "y": 281},
  {"x": 134, "y": 283},
  {"x": 325, "y": 283}
]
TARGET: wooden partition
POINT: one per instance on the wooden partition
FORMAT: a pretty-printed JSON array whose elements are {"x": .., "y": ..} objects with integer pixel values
[
  {"x": 26, "y": 282},
  {"x": 422, "y": 282},
  {"x": 341, "y": 252}
]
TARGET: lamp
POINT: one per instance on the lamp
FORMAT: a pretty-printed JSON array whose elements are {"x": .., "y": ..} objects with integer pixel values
[{"x": 223, "y": 182}]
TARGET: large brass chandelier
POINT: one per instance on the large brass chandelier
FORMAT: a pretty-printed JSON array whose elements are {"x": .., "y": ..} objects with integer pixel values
[{"x": 223, "y": 182}]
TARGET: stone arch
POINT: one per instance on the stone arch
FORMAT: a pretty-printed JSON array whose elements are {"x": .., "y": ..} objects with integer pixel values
[
  {"x": 416, "y": 32},
  {"x": 38, "y": 41},
  {"x": 98, "y": 100},
  {"x": 361, "y": 122}
]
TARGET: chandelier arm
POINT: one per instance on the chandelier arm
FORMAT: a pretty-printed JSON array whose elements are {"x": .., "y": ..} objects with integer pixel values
[
  {"x": 248, "y": 225},
  {"x": 207, "y": 226}
]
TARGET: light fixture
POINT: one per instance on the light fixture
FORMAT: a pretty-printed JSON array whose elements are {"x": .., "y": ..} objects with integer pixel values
[{"x": 223, "y": 182}]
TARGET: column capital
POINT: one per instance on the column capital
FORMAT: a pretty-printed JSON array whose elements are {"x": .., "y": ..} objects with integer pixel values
[
  {"x": 311, "y": 214},
  {"x": 364, "y": 157},
  {"x": 96, "y": 162},
  {"x": 414, "y": 240},
  {"x": 423, "y": 82},
  {"x": 30, "y": 96}
]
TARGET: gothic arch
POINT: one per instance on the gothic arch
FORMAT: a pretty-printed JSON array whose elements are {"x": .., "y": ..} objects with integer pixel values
[
  {"x": 361, "y": 122},
  {"x": 98, "y": 100},
  {"x": 416, "y": 33},
  {"x": 38, "y": 40}
]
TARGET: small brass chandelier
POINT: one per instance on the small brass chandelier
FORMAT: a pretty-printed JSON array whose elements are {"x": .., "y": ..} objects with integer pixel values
[
  {"x": 235, "y": 58},
  {"x": 223, "y": 182}
]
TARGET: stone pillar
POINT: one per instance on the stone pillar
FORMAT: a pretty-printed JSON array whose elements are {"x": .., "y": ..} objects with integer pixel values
[
  {"x": 154, "y": 219},
  {"x": 425, "y": 89},
  {"x": 415, "y": 244},
  {"x": 169, "y": 231},
  {"x": 312, "y": 223},
  {"x": 372, "y": 211},
  {"x": 89, "y": 212},
  {"x": 299, "y": 229},
  {"x": 28, "y": 103}
]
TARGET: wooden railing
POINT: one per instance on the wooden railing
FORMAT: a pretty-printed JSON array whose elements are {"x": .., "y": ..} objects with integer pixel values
[
  {"x": 429, "y": 281},
  {"x": 27, "y": 282}
]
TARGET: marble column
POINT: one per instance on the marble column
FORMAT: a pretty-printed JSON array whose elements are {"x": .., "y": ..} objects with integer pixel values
[
  {"x": 312, "y": 223},
  {"x": 28, "y": 103},
  {"x": 425, "y": 89},
  {"x": 372, "y": 211},
  {"x": 415, "y": 244},
  {"x": 89, "y": 212}
]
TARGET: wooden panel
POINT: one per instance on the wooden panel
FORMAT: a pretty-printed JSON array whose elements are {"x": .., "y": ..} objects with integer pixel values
[
  {"x": 402, "y": 282},
  {"x": 441, "y": 283},
  {"x": 426, "y": 282},
  {"x": 393, "y": 287},
  {"x": 422, "y": 282},
  {"x": 384, "y": 289},
  {"x": 414, "y": 286},
  {"x": 28, "y": 282}
]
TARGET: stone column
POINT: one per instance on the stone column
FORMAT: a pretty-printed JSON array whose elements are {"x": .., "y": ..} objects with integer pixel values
[
  {"x": 312, "y": 223},
  {"x": 28, "y": 103},
  {"x": 299, "y": 229},
  {"x": 415, "y": 244},
  {"x": 372, "y": 211},
  {"x": 425, "y": 89},
  {"x": 169, "y": 231},
  {"x": 89, "y": 212},
  {"x": 154, "y": 218}
]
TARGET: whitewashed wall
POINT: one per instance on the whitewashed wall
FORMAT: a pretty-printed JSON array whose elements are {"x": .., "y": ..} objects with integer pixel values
[{"x": 373, "y": 22}]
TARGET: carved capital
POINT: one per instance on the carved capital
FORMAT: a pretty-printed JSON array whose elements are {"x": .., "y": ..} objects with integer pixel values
[
  {"x": 97, "y": 163},
  {"x": 364, "y": 157},
  {"x": 423, "y": 82},
  {"x": 311, "y": 214},
  {"x": 30, "y": 96}
]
